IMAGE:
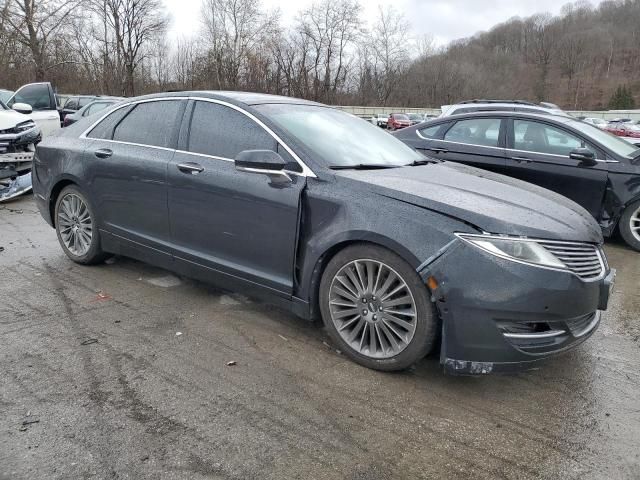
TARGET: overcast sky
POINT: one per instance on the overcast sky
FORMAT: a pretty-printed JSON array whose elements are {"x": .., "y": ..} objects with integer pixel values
[{"x": 446, "y": 20}]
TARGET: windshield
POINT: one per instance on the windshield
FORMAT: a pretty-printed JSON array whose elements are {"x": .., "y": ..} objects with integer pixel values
[
  {"x": 336, "y": 138},
  {"x": 3, "y": 106},
  {"x": 400, "y": 116},
  {"x": 617, "y": 145}
]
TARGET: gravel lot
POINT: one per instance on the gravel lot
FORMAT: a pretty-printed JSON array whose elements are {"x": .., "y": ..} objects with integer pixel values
[{"x": 121, "y": 371}]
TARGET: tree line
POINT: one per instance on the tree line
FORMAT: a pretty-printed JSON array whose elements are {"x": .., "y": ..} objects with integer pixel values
[{"x": 580, "y": 59}]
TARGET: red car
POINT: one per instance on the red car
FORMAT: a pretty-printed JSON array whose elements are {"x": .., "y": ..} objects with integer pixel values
[
  {"x": 397, "y": 121},
  {"x": 624, "y": 129}
]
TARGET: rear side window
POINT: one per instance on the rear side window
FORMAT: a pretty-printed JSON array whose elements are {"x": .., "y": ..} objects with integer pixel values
[
  {"x": 221, "y": 131},
  {"x": 150, "y": 123},
  {"x": 104, "y": 130},
  {"x": 84, "y": 101},
  {"x": 430, "y": 132},
  {"x": 477, "y": 131},
  {"x": 71, "y": 104}
]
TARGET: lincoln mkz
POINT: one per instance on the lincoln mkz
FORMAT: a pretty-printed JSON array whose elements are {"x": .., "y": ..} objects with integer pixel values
[{"x": 327, "y": 215}]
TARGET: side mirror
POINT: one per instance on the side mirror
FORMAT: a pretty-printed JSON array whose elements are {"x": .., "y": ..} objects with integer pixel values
[
  {"x": 22, "y": 108},
  {"x": 266, "y": 162},
  {"x": 585, "y": 156}
]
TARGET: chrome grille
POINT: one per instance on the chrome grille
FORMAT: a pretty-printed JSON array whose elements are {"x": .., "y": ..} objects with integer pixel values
[{"x": 583, "y": 259}]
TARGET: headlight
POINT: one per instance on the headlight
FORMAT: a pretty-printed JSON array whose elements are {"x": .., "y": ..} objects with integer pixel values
[
  {"x": 24, "y": 126},
  {"x": 518, "y": 249}
]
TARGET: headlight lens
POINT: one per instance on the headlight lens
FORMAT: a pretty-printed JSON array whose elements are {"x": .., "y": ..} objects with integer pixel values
[
  {"x": 24, "y": 126},
  {"x": 520, "y": 249}
]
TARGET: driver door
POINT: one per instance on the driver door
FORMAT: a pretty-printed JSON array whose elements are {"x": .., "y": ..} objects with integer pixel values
[
  {"x": 538, "y": 153},
  {"x": 224, "y": 222}
]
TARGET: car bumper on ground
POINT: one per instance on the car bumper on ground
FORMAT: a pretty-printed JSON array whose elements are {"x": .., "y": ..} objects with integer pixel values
[{"x": 505, "y": 316}]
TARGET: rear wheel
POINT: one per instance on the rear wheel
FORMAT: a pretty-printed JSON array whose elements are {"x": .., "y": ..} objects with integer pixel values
[
  {"x": 630, "y": 225},
  {"x": 376, "y": 309},
  {"x": 76, "y": 227}
]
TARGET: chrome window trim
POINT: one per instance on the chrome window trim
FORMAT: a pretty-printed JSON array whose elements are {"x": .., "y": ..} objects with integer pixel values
[
  {"x": 555, "y": 155},
  {"x": 472, "y": 144},
  {"x": 603, "y": 263},
  {"x": 306, "y": 171}
]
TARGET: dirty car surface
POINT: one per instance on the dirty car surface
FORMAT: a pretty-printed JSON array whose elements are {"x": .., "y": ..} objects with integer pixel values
[{"x": 323, "y": 213}]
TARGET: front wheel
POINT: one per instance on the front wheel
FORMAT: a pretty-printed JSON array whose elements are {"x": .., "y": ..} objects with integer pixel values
[
  {"x": 76, "y": 227},
  {"x": 375, "y": 307},
  {"x": 630, "y": 225}
]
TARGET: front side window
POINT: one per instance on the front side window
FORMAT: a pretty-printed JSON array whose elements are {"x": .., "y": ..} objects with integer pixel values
[
  {"x": 150, "y": 123},
  {"x": 36, "y": 95},
  {"x": 538, "y": 137},
  {"x": 221, "y": 131},
  {"x": 477, "y": 131}
]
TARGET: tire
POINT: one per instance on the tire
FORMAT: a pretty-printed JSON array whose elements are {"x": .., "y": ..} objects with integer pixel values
[
  {"x": 630, "y": 225},
  {"x": 346, "y": 316},
  {"x": 75, "y": 223}
]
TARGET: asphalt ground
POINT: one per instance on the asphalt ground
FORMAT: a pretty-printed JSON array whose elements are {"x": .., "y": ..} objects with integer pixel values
[{"x": 123, "y": 371}]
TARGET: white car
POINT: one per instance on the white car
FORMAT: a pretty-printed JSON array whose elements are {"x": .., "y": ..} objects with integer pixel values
[
  {"x": 469, "y": 106},
  {"x": 379, "y": 119},
  {"x": 19, "y": 135},
  {"x": 42, "y": 100},
  {"x": 596, "y": 122}
]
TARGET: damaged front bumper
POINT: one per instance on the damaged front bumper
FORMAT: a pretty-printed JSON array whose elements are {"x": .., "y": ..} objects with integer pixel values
[
  {"x": 17, "y": 149},
  {"x": 505, "y": 316}
]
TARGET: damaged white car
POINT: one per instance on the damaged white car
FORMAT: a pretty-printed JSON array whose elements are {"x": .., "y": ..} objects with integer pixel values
[{"x": 19, "y": 136}]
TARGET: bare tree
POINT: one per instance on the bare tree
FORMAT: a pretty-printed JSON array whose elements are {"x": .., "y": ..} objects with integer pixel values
[{"x": 34, "y": 22}]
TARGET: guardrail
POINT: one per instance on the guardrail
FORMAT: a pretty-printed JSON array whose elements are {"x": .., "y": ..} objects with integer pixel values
[{"x": 368, "y": 112}]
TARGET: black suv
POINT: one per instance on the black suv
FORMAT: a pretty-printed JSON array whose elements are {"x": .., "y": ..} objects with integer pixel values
[{"x": 590, "y": 166}]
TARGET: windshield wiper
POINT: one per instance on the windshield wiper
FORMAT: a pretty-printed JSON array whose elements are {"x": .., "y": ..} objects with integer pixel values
[
  {"x": 423, "y": 161},
  {"x": 362, "y": 166}
]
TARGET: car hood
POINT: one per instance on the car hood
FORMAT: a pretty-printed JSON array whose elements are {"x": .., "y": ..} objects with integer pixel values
[
  {"x": 490, "y": 202},
  {"x": 10, "y": 118}
]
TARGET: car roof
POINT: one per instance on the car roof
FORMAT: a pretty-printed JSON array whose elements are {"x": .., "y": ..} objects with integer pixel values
[
  {"x": 539, "y": 116},
  {"x": 247, "y": 98}
]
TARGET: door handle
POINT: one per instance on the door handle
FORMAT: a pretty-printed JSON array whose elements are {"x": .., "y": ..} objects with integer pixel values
[
  {"x": 438, "y": 150},
  {"x": 190, "y": 167},
  {"x": 103, "y": 153},
  {"x": 521, "y": 159}
]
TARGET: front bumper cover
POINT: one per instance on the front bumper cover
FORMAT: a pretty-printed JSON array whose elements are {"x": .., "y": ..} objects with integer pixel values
[{"x": 503, "y": 316}]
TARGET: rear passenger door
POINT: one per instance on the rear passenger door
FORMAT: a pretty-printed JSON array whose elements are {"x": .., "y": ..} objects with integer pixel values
[
  {"x": 127, "y": 168},
  {"x": 538, "y": 152},
  {"x": 477, "y": 141}
]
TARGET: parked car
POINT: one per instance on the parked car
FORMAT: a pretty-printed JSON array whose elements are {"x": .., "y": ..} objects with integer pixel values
[
  {"x": 591, "y": 167},
  {"x": 75, "y": 103},
  {"x": 90, "y": 108},
  {"x": 5, "y": 95},
  {"x": 41, "y": 98},
  {"x": 470, "y": 106},
  {"x": 624, "y": 129},
  {"x": 397, "y": 121},
  {"x": 321, "y": 212},
  {"x": 18, "y": 138},
  {"x": 379, "y": 119},
  {"x": 428, "y": 116},
  {"x": 596, "y": 122},
  {"x": 415, "y": 118},
  {"x": 61, "y": 100}
]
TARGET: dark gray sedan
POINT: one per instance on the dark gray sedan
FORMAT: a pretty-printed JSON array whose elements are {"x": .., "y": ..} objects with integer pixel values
[{"x": 327, "y": 215}]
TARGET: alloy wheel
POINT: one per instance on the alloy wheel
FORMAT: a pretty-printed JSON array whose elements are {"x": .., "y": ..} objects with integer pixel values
[
  {"x": 75, "y": 224},
  {"x": 372, "y": 308},
  {"x": 634, "y": 224}
]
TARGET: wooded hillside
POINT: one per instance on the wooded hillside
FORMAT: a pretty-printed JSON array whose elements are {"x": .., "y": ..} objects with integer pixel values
[{"x": 578, "y": 59}]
